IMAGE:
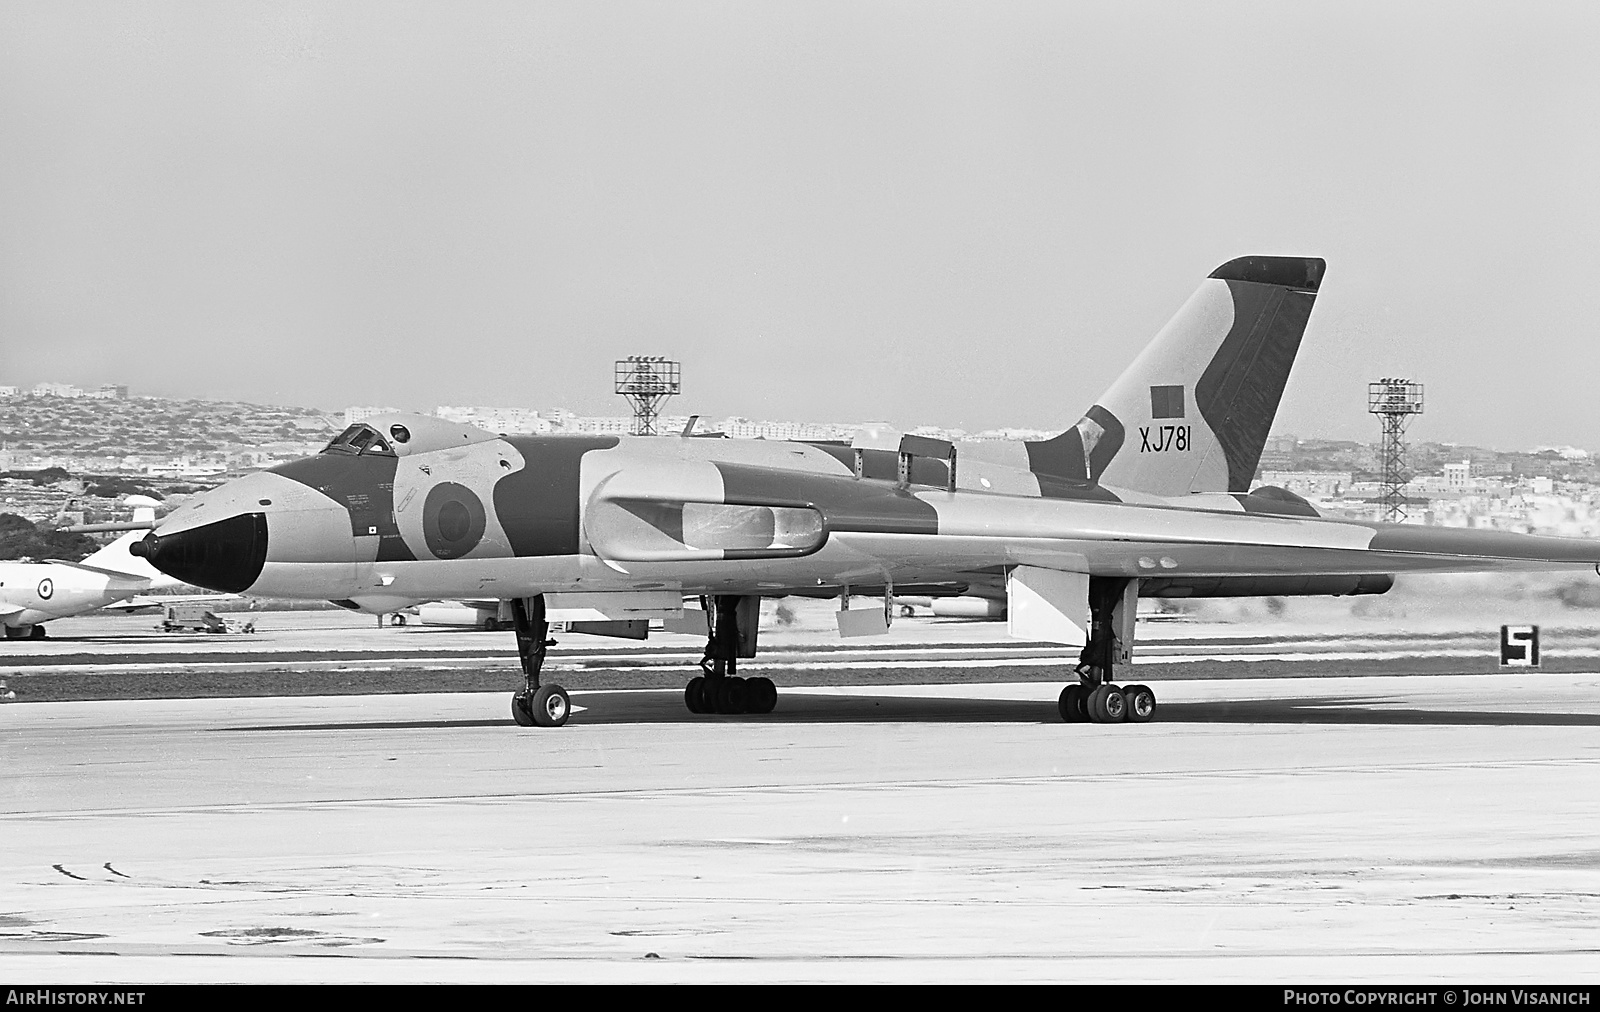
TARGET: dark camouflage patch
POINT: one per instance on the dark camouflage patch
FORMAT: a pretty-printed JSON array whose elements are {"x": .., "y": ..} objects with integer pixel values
[{"x": 538, "y": 505}]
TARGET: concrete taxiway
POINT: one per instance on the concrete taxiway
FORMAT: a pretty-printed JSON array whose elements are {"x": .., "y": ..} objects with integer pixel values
[
  {"x": 329, "y": 652},
  {"x": 1330, "y": 829}
]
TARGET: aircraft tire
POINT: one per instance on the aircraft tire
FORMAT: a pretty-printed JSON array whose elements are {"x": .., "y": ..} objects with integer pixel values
[
  {"x": 763, "y": 696},
  {"x": 1106, "y": 705},
  {"x": 692, "y": 692},
  {"x": 519, "y": 709},
  {"x": 1071, "y": 705},
  {"x": 38, "y": 633},
  {"x": 1141, "y": 703},
  {"x": 1091, "y": 705},
  {"x": 732, "y": 696},
  {"x": 551, "y": 706}
]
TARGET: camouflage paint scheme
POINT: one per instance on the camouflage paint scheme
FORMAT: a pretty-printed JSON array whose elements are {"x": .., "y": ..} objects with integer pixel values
[{"x": 1151, "y": 483}]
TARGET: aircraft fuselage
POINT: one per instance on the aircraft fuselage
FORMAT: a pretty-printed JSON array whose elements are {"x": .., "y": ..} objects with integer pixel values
[
  {"x": 505, "y": 517},
  {"x": 35, "y": 592}
]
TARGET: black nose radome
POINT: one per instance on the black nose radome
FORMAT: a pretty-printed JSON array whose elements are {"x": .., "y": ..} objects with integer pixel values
[{"x": 226, "y": 556}]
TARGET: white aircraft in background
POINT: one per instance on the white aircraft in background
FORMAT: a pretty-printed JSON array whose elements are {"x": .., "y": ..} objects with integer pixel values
[{"x": 32, "y": 593}]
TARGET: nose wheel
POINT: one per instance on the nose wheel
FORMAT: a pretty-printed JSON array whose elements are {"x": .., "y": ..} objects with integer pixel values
[
  {"x": 535, "y": 705},
  {"x": 546, "y": 706}
]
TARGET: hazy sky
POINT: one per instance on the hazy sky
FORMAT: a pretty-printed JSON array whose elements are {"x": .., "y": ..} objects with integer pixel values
[{"x": 957, "y": 214}]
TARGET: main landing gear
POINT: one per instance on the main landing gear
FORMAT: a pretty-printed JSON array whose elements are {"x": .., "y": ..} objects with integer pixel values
[
  {"x": 732, "y": 635},
  {"x": 535, "y": 705},
  {"x": 1096, "y": 698}
]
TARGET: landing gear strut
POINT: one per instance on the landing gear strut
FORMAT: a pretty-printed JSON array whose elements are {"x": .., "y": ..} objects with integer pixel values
[
  {"x": 535, "y": 705},
  {"x": 732, "y": 635},
  {"x": 1096, "y": 698}
]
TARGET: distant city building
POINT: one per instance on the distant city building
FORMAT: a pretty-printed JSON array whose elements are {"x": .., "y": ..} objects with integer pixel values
[
  {"x": 56, "y": 390},
  {"x": 512, "y": 421},
  {"x": 185, "y": 467},
  {"x": 939, "y": 432},
  {"x": 1458, "y": 476},
  {"x": 106, "y": 391},
  {"x": 352, "y": 415},
  {"x": 1013, "y": 435},
  {"x": 559, "y": 420},
  {"x": 611, "y": 425},
  {"x": 744, "y": 428},
  {"x": 1318, "y": 484},
  {"x": 1278, "y": 454}
]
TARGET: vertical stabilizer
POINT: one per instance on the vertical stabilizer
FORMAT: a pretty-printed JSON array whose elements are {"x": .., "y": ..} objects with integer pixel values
[{"x": 1193, "y": 411}]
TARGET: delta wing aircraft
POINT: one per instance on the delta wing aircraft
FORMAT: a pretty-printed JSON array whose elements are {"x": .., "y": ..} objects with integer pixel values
[
  {"x": 1147, "y": 495},
  {"x": 33, "y": 593}
]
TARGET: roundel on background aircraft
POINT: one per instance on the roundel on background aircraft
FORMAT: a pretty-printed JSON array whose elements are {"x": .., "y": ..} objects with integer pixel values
[{"x": 452, "y": 520}]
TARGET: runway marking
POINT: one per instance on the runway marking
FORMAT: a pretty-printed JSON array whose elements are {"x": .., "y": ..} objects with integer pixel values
[
  {"x": 1230, "y": 647},
  {"x": 1065, "y": 657},
  {"x": 938, "y": 783}
]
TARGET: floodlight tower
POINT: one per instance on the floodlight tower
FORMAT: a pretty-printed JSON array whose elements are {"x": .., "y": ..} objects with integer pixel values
[
  {"x": 1394, "y": 401},
  {"x": 646, "y": 381}
]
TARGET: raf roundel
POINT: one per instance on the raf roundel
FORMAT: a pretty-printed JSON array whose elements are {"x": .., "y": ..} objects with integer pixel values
[
  {"x": 47, "y": 588},
  {"x": 452, "y": 520}
]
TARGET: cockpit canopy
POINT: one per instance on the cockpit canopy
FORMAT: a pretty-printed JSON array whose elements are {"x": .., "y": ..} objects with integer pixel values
[
  {"x": 401, "y": 435},
  {"x": 359, "y": 438}
]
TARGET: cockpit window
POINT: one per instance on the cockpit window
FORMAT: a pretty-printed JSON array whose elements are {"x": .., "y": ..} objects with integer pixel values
[{"x": 358, "y": 439}]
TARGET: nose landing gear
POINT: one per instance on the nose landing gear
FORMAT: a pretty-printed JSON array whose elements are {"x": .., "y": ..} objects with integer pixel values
[{"x": 535, "y": 705}]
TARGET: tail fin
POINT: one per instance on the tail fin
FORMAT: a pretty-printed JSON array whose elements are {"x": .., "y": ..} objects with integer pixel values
[{"x": 1193, "y": 411}]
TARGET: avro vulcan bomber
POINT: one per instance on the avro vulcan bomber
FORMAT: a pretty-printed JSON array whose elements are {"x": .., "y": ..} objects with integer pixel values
[{"x": 1148, "y": 495}]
